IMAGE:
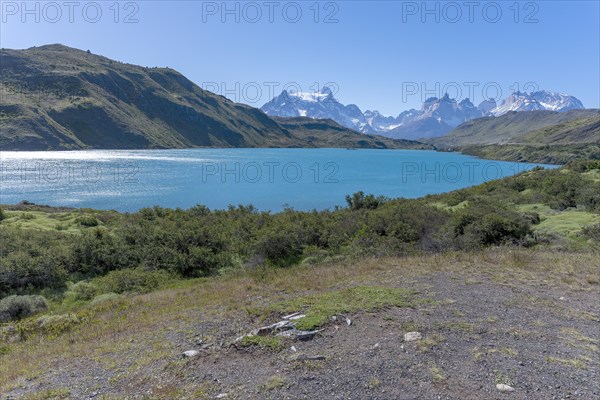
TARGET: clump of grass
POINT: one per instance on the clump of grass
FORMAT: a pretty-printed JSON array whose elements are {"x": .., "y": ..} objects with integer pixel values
[
  {"x": 429, "y": 342},
  {"x": 373, "y": 383},
  {"x": 320, "y": 308},
  {"x": 54, "y": 394},
  {"x": 274, "y": 382},
  {"x": 501, "y": 378},
  {"x": 437, "y": 375},
  {"x": 274, "y": 343},
  {"x": 576, "y": 339},
  {"x": 478, "y": 353},
  {"x": 575, "y": 362},
  {"x": 411, "y": 326}
]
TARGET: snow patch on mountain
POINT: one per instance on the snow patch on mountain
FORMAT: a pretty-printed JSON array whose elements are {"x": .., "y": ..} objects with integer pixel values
[{"x": 436, "y": 117}]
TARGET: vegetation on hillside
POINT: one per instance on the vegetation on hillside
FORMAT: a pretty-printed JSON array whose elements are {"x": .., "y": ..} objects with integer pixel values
[
  {"x": 542, "y": 153},
  {"x": 534, "y": 136},
  {"x": 55, "y": 97},
  {"x": 526, "y": 127},
  {"x": 45, "y": 250}
]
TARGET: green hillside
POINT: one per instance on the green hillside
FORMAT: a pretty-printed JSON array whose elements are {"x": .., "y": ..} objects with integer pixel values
[
  {"x": 575, "y": 126},
  {"x": 531, "y": 136},
  {"x": 55, "y": 97}
]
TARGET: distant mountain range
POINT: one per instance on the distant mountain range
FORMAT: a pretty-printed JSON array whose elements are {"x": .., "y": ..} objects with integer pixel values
[
  {"x": 437, "y": 116},
  {"x": 55, "y": 97}
]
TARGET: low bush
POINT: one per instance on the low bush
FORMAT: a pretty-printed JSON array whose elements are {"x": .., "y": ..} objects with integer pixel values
[
  {"x": 17, "y": 307},
  {"x": 592, "y": 232},
  {"x": 132, "y": 280},
  {"x": 105, "y": 298},
  {"x": 87, "y": 220},
  {"x": 81, "y": 291}
]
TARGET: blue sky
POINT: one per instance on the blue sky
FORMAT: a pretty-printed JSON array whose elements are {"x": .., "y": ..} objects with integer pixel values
[{"x": 387, "y": 56}]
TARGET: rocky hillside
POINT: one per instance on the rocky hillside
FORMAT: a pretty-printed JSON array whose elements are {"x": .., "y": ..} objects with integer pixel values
[{"x": 55, "y": 97}]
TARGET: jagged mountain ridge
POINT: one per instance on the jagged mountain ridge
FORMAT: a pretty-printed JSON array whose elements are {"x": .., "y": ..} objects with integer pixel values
[{"x": 437, "y": 116}]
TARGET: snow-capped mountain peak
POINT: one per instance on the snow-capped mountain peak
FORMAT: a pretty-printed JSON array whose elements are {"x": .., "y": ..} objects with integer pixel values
[
  {"x": 540, "y": 100},
  {"x": 436, "y": 117}
]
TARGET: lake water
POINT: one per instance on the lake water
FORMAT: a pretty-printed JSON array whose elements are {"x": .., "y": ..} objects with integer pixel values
[{"x": 270, "y": 179}]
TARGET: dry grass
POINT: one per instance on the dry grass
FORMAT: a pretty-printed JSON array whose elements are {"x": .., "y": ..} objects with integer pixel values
[{"x": 112, "y": 325}]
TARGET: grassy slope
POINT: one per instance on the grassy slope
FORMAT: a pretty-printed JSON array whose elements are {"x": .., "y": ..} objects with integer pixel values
[
  {"x": 547, "y": 154},
  {"x": 56, "y": 97},
  {"x": 537, "y": 136},
  {"x": 513, "y": 127}
]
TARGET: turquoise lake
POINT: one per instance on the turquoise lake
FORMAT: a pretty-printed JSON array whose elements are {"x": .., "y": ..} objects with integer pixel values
[{"x": 269, "y": 179}]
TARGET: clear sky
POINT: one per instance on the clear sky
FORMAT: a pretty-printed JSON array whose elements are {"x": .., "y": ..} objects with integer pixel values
[{"x": 386, "y": 55}]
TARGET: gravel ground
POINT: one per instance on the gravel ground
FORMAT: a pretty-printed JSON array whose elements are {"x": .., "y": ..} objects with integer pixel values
[{"x": 478, "y": 332}]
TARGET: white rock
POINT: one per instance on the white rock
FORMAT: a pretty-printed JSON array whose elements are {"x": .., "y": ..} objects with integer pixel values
[
  {"x": 348, "y": 321},
  {"x": 221, "y": 396},
  {"x": 292, "y": 315},
  {"x": 294, "y": 348},
  {"x": 190, "y": 353},
  {"x": 504, "y": 388},
  {"x": 412, "y": 336}
]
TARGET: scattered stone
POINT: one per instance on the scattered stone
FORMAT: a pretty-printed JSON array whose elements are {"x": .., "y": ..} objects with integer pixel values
[
  {"x": 298, "y": 334},
  {"x": 266, "y": 330},
  {"x": 295, "y": 317},
  {"x": 307, "y": 335},
  {"x": 348, "y": 322},
  {"x": 190, "y": 353},
  {"x": 412, "y": 336},
  {"x": 562, "y": 298},
  {"x": 289, "y": 317},
  {"x": 221, "y": 396},
  {"x": 334, "y": 318},
  {"x": 293, "y": 348},
  {"x": 375, "y": 346},
  {"x": 504, "y": 388},
  {"x": 304, "y": 357}
]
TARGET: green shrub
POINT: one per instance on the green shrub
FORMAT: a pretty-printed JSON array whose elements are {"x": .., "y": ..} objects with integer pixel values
[
  {"x": 81, "y": 291},
  {"x": 135, "y": 280},
  {"x": 105, "y": 298},
  {"x": 359, "y": 201},
  {"x": 87, "y": 220},
  {"x": 26, "y": 216},
  {"x": 2, "y": 214},
  {"x": 17, "y": 307},
  {"x": 484, "y": 224},
  {"x": 592, "y": 232},
  {"x": 54, "y": 325}
]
